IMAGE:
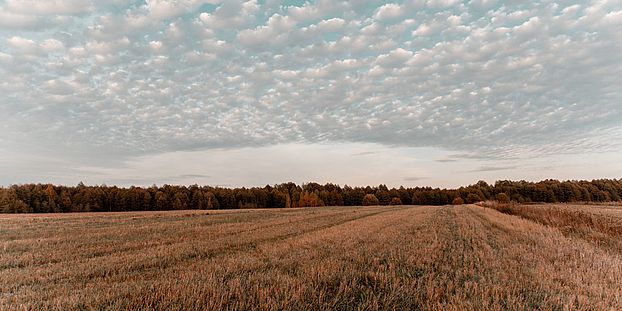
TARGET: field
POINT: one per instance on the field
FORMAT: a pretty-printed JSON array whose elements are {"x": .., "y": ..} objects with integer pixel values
[{"x": 406, "y": 257}]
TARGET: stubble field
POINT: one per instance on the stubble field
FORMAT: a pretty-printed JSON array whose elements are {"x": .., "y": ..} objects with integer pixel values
[{"x": 343, "y": 258}]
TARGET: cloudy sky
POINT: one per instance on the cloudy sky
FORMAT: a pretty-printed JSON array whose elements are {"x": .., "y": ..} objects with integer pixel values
[{"x": 438, "y": 92}]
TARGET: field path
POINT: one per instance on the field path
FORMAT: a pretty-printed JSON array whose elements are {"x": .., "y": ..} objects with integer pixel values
[{"x": 344, "y": 258}]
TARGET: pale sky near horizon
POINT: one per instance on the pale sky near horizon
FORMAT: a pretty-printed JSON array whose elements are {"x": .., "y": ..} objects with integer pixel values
[{"x": 247, "y": 93}]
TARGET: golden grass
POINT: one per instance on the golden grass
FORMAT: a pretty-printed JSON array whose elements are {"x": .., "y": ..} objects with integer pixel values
[
  {"x": 598, "y": 224},
  {"x": 366, "y": 258}
]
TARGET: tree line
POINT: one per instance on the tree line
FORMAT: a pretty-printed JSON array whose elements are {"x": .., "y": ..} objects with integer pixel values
[{"x": 48, "y": 198}]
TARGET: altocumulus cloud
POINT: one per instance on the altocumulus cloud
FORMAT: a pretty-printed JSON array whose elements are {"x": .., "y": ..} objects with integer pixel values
[{"x": 102, "y": 83}]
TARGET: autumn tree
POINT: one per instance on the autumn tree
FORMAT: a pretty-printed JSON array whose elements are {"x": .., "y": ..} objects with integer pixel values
[
  {"x": 51, "y": 199},
  {"x": 503, "y": 198},
  {"x": 180, "y": 201},
  {"x": 310, "y": 199},
  {"x": 65, "y": 201},
  {"x": 41, "y": 198},
  {"x": 370, "y": 199},
  {"x": 10, "y": 203}
]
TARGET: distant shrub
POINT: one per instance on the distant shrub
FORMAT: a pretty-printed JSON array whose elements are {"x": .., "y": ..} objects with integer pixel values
[
  {"x": 396, "y": 201},
  {"x": 457, "y": 201},
  {"x": 503, "y": 198},
  {"x": 370, "y": 199}
]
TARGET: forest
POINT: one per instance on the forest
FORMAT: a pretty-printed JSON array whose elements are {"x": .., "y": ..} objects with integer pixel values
[{"x": 48, "y": 198}]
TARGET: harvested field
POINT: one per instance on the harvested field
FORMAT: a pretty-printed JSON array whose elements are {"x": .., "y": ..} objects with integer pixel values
[
  {"x": 370, "y": 258},
  {"x": 598, "y": 224}
]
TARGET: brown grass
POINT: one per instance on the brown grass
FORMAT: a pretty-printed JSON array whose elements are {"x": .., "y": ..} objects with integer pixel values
[
  {"x": 371, "y": 258},
  {"x": 598, "y": 224}
]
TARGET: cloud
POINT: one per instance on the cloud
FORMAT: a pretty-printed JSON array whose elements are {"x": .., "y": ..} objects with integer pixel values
[
  {"x": 364, "y": 153},
  {"x": 482, "y": 4},
  {"x": 49, "y": 7},
  {"x": 414, "y": 178},
  {"x": 164, "y": 9},
  {"x": 493, "y": 168},
  {"x": 332, "y": 24},
  {"x": 274, "y": 164},
  {"x": 17, "y": 21},
  {"x": 389, "y": 11},
  {"x": 22, "y": 44},
  {"x": 59, "y": 87},
  {"x": 446, "y": 160},
  {"x": 193, "y": 176},
  {"x": 441, "y": 4},
  {"x": 231, "y": 14},
  {"x": 266, "y": 34},
  {"x": 50, "y": 45},
  {"x": 483, "y": 79},
  {"x": 394, "y": 58}
]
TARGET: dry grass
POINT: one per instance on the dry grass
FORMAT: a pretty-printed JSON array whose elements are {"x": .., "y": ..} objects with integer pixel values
[
  {"x": 371, "y": 258},
  {"x": 598, "y": 224}
]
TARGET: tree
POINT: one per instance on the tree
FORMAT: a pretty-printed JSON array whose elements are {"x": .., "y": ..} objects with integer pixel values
[
  {"x": 42, "y": 198},
  {"x": 65, "y": 201},
  {"x": 279, "y": 199},
  {"x": 417, "y": 198},
  {"x": 405, "y": 196},
  {"x": 396, "y": 201},
  {"x": 310, "y": 199},
  {"x": 10, "y": 203},
  {"x": 198, "y": 200},
  {"x": 370, "y": 199},
  {"x": 294, "y": 197},
  {"x": 503, "y": 198},
  {"x": 353, "y": 197},
  {"x": 473, "y": 198},
  {"x": 245, "y": 198},
  {"x": 383, "y": 195},
  {"x": 212, "y": 202},
  {"x": 146, "y": 200},
  {"x": 51, "y": 194},
  {"x": 161, "y": 201},
  {"x": 180, "y": 201}
]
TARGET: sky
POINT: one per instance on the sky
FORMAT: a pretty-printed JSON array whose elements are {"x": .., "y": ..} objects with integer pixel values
[{"x": 247, "y": 93}]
